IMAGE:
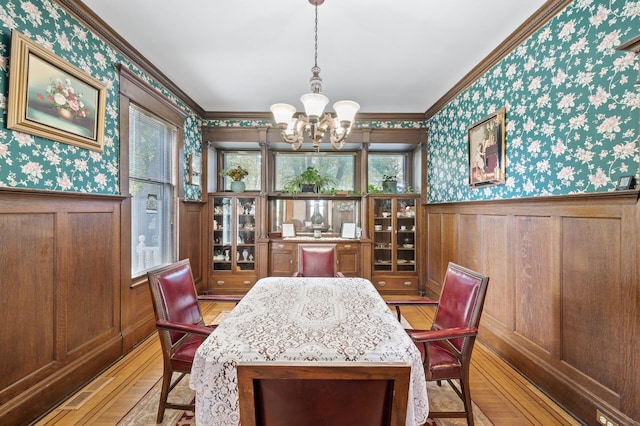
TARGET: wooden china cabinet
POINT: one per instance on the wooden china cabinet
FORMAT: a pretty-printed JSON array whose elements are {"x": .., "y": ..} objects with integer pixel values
[
  {"x": 233, "y": 249},
  {"x": 393, "y": 221}
]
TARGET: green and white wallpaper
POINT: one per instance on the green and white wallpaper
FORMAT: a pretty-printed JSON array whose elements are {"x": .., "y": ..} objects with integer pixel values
[
  {"x": 572, "y": 110},
  {"x": 31, "y": 162}
]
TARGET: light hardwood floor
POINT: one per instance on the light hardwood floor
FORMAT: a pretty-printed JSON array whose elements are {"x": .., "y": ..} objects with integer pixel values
[{"x": 500, "y": 392}]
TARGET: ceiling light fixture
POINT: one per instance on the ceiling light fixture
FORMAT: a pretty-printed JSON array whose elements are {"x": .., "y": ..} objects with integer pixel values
[{"x": 315, "y": 123}]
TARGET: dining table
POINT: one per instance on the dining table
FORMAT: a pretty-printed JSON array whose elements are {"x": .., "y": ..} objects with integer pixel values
[{"x": 302, "y": 320}]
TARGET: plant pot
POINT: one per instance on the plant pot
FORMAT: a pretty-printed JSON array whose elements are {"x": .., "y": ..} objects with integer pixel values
[
  {"x": 307, "y": 187},
  {"x": 389, "y": 186},
  {"x": 237, "y": 186}
]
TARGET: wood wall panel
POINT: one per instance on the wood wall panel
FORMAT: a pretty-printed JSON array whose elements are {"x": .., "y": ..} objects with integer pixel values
[
  {"x": 494, "y": 261},
  {"x": 469, "y": 241},
  {"x": 562, "y": 303},
  {"x": 193, "y": 238},
  {"x": 537, "y": 307},
  {"x": 591, "y": 283},
  {"x": 91, "y": 296},
  {"x": 434, "y": 251},
  {"x": 28, "y": 245},
  {"x": 60, "y": 281}
]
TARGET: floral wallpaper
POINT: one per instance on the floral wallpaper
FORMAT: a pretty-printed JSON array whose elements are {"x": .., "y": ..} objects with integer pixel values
[
  {"x": 370, "y": 124},
  {"x": 572, "y": 110},
  {"x": 36, "y": 163}
]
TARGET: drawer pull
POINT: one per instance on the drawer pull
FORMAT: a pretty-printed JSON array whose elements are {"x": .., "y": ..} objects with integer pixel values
[
  {"x": 347, "y": 246},
  {"x": 220, "y": 282},
  {"x": 382, "y": 283},
  {"x": 407, "y": 283},
  {"x": 246, "y": 282},
  {"x": 280, "y": 246}
]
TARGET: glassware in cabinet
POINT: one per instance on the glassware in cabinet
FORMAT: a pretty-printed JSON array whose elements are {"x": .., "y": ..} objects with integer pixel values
[
  {"x": 405, "y": 217},
  {"x": 383, "y": 235},
  {"x": 246, "y": 233}
]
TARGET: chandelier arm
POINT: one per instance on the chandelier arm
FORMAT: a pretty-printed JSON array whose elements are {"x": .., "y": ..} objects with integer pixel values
[{"x": 338, "y": 141}]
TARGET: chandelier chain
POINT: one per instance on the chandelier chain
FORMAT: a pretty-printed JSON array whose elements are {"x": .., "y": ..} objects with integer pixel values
[{"x": 315, "y": 58}]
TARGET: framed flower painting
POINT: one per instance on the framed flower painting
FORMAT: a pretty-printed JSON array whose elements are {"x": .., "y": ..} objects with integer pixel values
[{"x": 51, "y": 98}]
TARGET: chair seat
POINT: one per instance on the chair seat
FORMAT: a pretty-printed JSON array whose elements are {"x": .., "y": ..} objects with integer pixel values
[
  {"x": 182, "y": 358},
  {"x": 443, "y": 364}
]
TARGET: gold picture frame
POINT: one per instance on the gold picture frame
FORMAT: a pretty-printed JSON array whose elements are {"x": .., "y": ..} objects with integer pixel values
[
  {"x": 486, "y": 143},
  {"x": 51, "y": 98}
]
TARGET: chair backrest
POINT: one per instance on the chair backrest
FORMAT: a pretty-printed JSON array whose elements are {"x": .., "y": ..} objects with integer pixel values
[
  {"x": 461, "y": 302},
  {"x": 174, "y": 298},
  {"x": 317, "y": 260},
  {"x": 336, "y": 394}
]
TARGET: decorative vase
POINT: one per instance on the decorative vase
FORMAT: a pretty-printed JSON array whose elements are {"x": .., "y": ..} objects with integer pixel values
[
  {"x": 65, "y": 114},
  {"x": 245, "y": 254},
  {"x": 316, "y": 217},
  {"x": 226, "y": 255},
  {"x": 237, "y": 186}
]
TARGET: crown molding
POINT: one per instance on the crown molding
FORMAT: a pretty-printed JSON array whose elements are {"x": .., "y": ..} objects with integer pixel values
[
  {"x": 267, "y": 116},
  {"x": 531, "y": 25}
]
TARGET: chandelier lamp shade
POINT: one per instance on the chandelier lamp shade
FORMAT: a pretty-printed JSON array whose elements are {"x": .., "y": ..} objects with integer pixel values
[{"x": 314, "y": 122}]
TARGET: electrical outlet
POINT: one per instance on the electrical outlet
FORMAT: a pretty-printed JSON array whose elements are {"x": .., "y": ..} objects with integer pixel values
[{"x": 603, "y": 419}]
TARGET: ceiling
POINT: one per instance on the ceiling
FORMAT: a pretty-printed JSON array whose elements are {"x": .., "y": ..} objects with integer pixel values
[{"x": 398, "y": 56}]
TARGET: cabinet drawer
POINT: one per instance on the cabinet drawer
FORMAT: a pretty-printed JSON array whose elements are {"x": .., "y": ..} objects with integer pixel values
[
  {"x": 389, "y": 283},
  {"x": 221, "y": 283}
]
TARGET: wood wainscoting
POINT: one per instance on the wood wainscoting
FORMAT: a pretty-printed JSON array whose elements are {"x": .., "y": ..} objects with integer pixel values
[
  {"x": 563, "y": 300},
  {"x": 60, "y": 281}
]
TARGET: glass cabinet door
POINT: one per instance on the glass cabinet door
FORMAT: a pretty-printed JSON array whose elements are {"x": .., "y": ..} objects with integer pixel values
[
  {"x": 222, "y": 233},
  {"x": 394, "y": 234},
  {"x": 383, "y": 235},
  {"x": 234, "y": 224},
  {"x": 246, "y": 233},
  {"x": 405, "y": 217}
]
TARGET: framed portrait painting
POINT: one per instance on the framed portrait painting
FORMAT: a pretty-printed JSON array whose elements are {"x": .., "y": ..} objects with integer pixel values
[
  {"x": 51, "y": 98},
  {"x": 486, "y": 139}
]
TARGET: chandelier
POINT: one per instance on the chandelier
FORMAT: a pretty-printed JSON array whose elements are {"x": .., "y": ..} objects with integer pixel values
[{"x": 315, "y": 123}]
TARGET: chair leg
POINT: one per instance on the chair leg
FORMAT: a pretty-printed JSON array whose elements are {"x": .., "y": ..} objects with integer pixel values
[
  {"x": 466, "y": 399},
  {"x": 164, "y": 394}
]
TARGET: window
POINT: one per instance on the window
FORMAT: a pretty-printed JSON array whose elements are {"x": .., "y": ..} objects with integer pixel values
[
  {"x": 251, "y": 161},
  {"x": 387, "y": 164},
  {"x": 152, "y": 143},
  {"x": 340, "y": 167}
]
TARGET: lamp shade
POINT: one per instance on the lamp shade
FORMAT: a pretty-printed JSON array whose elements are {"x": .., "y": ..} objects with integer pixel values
[
  {"x": 346, "y": 110},
  {"x": 314, "y": 104},
  {"x": 282, "y": 113}
]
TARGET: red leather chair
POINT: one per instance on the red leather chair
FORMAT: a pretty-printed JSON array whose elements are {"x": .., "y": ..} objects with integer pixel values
[
  {"x": 446, "y": 348},
  {"x": 179, "y": 323},
  {"x": 335, "y": 394},
  {"x": 317, "y": 260}
]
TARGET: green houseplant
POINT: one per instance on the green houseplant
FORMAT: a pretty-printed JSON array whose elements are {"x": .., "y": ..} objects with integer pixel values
[
  {"x": 390, "y": 181},
  {"x": 311, "y": 180}
]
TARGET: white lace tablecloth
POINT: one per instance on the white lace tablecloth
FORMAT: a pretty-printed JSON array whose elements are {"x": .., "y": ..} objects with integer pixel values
[{"x": 301, "y": 319}]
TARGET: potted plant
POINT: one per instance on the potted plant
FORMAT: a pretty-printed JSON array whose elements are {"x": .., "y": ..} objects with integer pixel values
[
  {"x": 390, "y": 181},
  {"x": 311, "y": 180},
  {"x": 237, "y": 174}
]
